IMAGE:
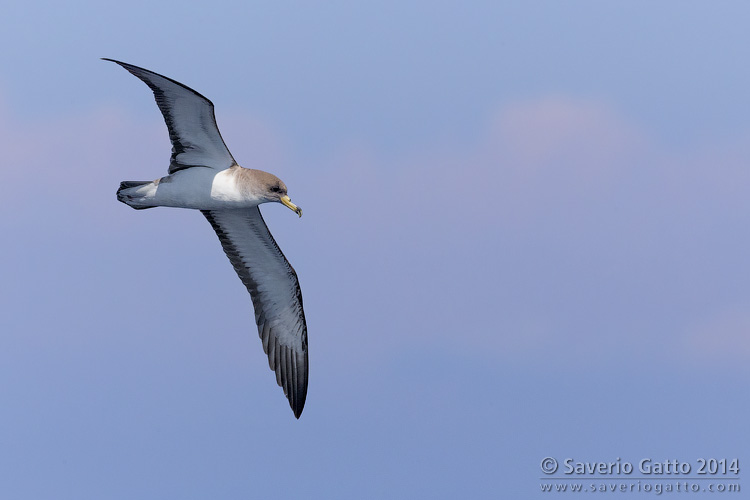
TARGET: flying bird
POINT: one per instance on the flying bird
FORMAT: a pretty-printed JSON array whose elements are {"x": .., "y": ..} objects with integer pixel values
[{"x": 204, "y": 176}]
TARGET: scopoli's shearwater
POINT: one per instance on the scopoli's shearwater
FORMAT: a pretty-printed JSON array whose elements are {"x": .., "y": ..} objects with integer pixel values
[{"x": 204, "y": 176}]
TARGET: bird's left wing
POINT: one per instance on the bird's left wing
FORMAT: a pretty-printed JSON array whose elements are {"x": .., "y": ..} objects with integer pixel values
[
  {"x": 275, "y": 292},
  {"x": 195, "y": 137}
]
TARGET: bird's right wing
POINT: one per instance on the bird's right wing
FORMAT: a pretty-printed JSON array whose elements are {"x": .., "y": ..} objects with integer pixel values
[
  {"x": 195, "y": 137},
  {"x": 275, "y": 293}
]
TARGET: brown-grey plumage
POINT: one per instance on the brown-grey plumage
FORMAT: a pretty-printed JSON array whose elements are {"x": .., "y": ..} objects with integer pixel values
[{"x": 228, "y": 195}]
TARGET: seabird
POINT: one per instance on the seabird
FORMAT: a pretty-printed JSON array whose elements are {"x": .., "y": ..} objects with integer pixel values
[{"x": 204, "y": 176}]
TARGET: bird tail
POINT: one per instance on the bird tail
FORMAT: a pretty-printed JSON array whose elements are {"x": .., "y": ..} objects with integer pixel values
[{"x": 129, "y": 194}]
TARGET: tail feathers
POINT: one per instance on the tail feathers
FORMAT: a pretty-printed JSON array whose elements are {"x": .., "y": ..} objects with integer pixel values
[
  {"x": 131, "y": 184},
  {"x": 131, "y": 199}
]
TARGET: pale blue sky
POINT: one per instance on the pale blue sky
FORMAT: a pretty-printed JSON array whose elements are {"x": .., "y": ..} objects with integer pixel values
[{"x": 525, "y": 235}]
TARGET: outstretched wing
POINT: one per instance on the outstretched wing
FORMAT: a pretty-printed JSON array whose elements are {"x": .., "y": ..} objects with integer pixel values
[
  {"x": 275, "y": 292},
  {"x": 196, "y": 141}
]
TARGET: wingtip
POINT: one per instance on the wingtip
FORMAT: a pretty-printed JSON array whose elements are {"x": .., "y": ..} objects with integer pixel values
[
  {"x": 120, "y": 63},
  {"x": 297, "y": 406},
  {"x": 123, "y": 64}
]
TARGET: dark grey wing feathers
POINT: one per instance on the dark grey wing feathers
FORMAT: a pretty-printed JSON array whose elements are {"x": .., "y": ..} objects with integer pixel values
[
  {"x": 195, "y": 137},
  {"x": 275, "y": 292}
]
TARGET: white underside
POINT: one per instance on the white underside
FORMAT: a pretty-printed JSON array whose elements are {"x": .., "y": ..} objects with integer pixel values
[{"x": 198, "y": 188}]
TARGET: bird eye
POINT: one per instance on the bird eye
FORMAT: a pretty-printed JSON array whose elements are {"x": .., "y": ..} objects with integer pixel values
[{"x": 275, "y": 189}]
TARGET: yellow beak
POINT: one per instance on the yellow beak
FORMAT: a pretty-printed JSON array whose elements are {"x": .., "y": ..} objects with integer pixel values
[{"x": 288, "y": 202}]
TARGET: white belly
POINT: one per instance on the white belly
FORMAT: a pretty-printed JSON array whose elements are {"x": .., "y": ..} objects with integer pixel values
[{"x": 202, "y": 189}]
